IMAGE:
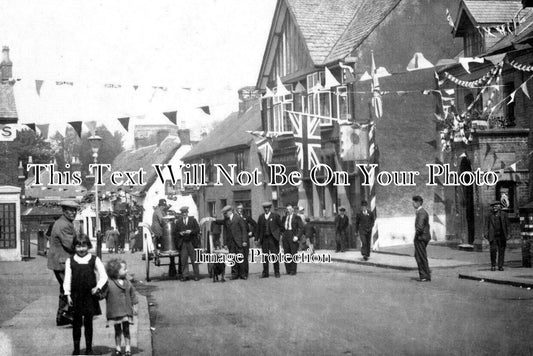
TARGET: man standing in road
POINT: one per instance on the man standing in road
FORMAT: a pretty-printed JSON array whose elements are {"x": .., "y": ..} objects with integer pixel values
[
  {"x": 251, "y": 227},
  {"x": 292, "y": 232},
  {"x": 422, "y": 238},
  {"x": 497, "y": 234},
  {"x": 364, "y": 222},
  {"x": 268, "y": 233},
  {"x": 342, "y": 222},
  {"x": 236, "y": 234},
  {"x": 61, "y": 249},
  {"x": 187, "y": 231}
]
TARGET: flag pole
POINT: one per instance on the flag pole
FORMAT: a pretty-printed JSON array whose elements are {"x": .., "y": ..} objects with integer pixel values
[{"x": 373, "y": 159}]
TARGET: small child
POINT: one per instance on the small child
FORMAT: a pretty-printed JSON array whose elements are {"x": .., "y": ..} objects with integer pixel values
[
  {"x": 80, "y": 287},
  {"x": 121, "y": 303}
]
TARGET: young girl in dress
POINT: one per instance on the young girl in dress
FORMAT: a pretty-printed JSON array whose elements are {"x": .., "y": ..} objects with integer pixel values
[
  {"x": 80, "y": 285},
  {"x": 121, "y": 303}
]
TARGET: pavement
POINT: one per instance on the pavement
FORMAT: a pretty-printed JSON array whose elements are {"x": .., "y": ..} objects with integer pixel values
[
  {"x": 29, "y": 297},
  {"x": 29, "y": 302}
]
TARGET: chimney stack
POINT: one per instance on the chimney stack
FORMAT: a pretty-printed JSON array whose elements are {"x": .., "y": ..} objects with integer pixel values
[
  {"x": 248, "y": 96},
  {"x": 6, "y": 66}
]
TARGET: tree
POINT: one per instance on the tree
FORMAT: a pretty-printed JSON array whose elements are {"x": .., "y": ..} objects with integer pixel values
[{"x": 28, "y": 143}]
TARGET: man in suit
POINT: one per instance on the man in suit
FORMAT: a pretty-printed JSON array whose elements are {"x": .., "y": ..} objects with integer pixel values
[
  {"x": 422, "y": 238},
  {"x": 236, "y": 233},
  {"x": 342, "y": 222},
  {"x": 268, "y": 234},
  {"x": 292, "y": 232},
  {"x": 187, "y": 240},
  {"x": 364, "y": 222},
  {"x": 497, "y": 234},
  {"x": 251, "y": 227},
  {"x": 61, "y": 249}
]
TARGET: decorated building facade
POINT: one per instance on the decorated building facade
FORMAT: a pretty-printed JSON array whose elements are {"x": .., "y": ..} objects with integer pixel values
[{"x": 313, "y": 75}]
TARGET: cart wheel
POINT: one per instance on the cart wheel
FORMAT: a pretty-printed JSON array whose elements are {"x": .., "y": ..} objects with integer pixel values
[{"x": 147, "y": 266}]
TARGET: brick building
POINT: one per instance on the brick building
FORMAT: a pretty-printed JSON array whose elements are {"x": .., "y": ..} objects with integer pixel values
[
  {"x": 309, "y": 37},
  {"x": 228, "y": 143},
  {"x": 499, "y": 127}
]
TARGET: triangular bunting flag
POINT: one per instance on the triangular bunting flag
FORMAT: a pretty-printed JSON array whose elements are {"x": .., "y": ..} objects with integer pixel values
[
  {"x": 268, "y": 93},
  {"x": 124, "y": 121},
  {"x": 419, "y": 62},
  {"x": 91, "y": 125},
  {"x": 512, "y": 95},
  {"x": 38, "y": 85},
  {"x": 377, "y": 103},
  {"x": 436, "y": 219},
  {"x": 32, "y": 127},
  {"x": 299, "y": 88},
  {"x": 330, "y": 79},
  {"x": 437, "y": 198},
  {"x": 365, "y": 77},
  {"x": 171, "y": 115},
  {"x": 449, "y": 19},
  {"x": 43, "y": 129},
  {"x": 432, "y": 143},
  {"x": 135, "y": 87},
  {"x": 206, "y": 110},
  {"x": 280, "y": 88},
  {"x": 76, "y": 125},
  {"x": 512, "y": 167},
  {"x": 524, "y": 89},
  {"x": 497, "y": 58}
]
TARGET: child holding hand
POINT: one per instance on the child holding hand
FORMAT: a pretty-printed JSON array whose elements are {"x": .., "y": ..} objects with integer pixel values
[
  {"x": 80, "y": 287},
  {"x": 121, "y": 304}
]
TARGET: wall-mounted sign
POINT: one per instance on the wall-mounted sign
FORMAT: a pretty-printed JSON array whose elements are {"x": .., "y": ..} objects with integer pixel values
[{"x": 8, "y": 132}]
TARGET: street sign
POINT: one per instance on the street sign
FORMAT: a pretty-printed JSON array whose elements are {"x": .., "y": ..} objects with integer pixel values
[{"x": 8, "y": 132}]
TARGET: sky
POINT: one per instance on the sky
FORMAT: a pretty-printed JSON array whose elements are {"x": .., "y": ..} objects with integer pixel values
[{"x": 213, "y": 47}]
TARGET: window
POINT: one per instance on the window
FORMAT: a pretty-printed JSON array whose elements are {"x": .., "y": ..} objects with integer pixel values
[
  {"x": 223, "y": 203},
  {"x": 240, "y": 161},
  {"x": 341, "y": 109},
  {"x": 505, "y": 193},
  {"x": 208, "y": 169},
  {"x": 280, "y": 121},
  {"x": 173, "y": 189},
  {"x": 211, "y": 208},
  {"x": 8, "y": 225}
]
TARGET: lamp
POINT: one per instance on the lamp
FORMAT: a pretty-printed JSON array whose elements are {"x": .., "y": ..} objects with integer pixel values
[{"x": 96, "y": 142}]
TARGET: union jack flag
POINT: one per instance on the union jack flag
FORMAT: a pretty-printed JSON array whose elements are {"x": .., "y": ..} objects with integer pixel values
[
  {"x": 306, "y": 130},
  {"x": 264, "y": 145}
]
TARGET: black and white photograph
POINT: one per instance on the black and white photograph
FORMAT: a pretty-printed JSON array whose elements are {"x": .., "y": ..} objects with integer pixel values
[{"x": 266, "y": 177}]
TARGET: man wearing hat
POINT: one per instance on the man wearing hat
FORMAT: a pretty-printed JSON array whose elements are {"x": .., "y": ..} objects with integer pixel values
[
  {"x": 497, "y": 234},
  {"x": 364, "y": 222},
  {"x": 342, "y": 222},
  {"x": 269, "y": 228},
  {"x": 292, "y": 232},
  {"x": 187, "y": 232},
  {"x": 236, "y": 233},
  {"x": 251, "y": 227},
  {"x": 421, "y": 240},
  {"x": 61, "y": 249},
  {"x": 157, "y": 219}
]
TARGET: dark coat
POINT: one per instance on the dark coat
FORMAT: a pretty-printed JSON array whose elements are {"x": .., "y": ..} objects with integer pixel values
[
  {"x": 61, "y": 243},
  {"x": 297, "y": 225},
  {"x": 235, "y": 230},
  {"x": 341, "y": 223},
  {"x": 157, "y": 220},
  {"x": 192, "y": 225},
  {"x": 422, "y": 225},
  {"x": 274, "y": 222},
  {"x": 251, "y": 225},
  {"x": 491, "y": 221},
  {"x": 120, "y": 299},
  {"x": 364, "y": 223}
]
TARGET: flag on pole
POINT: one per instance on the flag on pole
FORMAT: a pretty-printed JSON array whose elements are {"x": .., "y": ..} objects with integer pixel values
[
  {"x": 306, "y": 129},
  {"x": 372, "y": 152},
  {"x": 377, "y": 103}
]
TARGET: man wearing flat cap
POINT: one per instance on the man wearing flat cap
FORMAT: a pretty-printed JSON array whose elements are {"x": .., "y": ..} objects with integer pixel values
[
  {"x": 497, "y": 234},
  {"x": 342, "y": 222},
  {"x": 236, "y": 233},
  {"x": 157, "y": 219},
  {"x": 251, "y": 227},
  {"x": 364, "y": 222},
  {"x": 61, "y": 249},
  {"x": 187, "y": 232},
  {"x": 269, "y": 229}
]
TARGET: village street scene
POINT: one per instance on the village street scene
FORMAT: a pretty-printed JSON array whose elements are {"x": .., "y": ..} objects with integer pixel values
[{"x": 271, "y": 177}]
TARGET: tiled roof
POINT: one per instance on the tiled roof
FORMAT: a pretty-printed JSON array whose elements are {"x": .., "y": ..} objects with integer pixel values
[
  {"x": 491, "y": 11},
  {"x": 8, "y": 110},
  {"x": 369, "y": 15},
  {"x": 231, "y": 132},
  {"x": 143, "y": 157},
  {"x": 333, "y": 28},
  {"x": 47, "y": 192}
]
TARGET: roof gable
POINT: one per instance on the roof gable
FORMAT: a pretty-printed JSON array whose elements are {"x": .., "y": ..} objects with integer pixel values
[
  {"x": 229, "y": 133},
  {"x": 485, "y": 12}
]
